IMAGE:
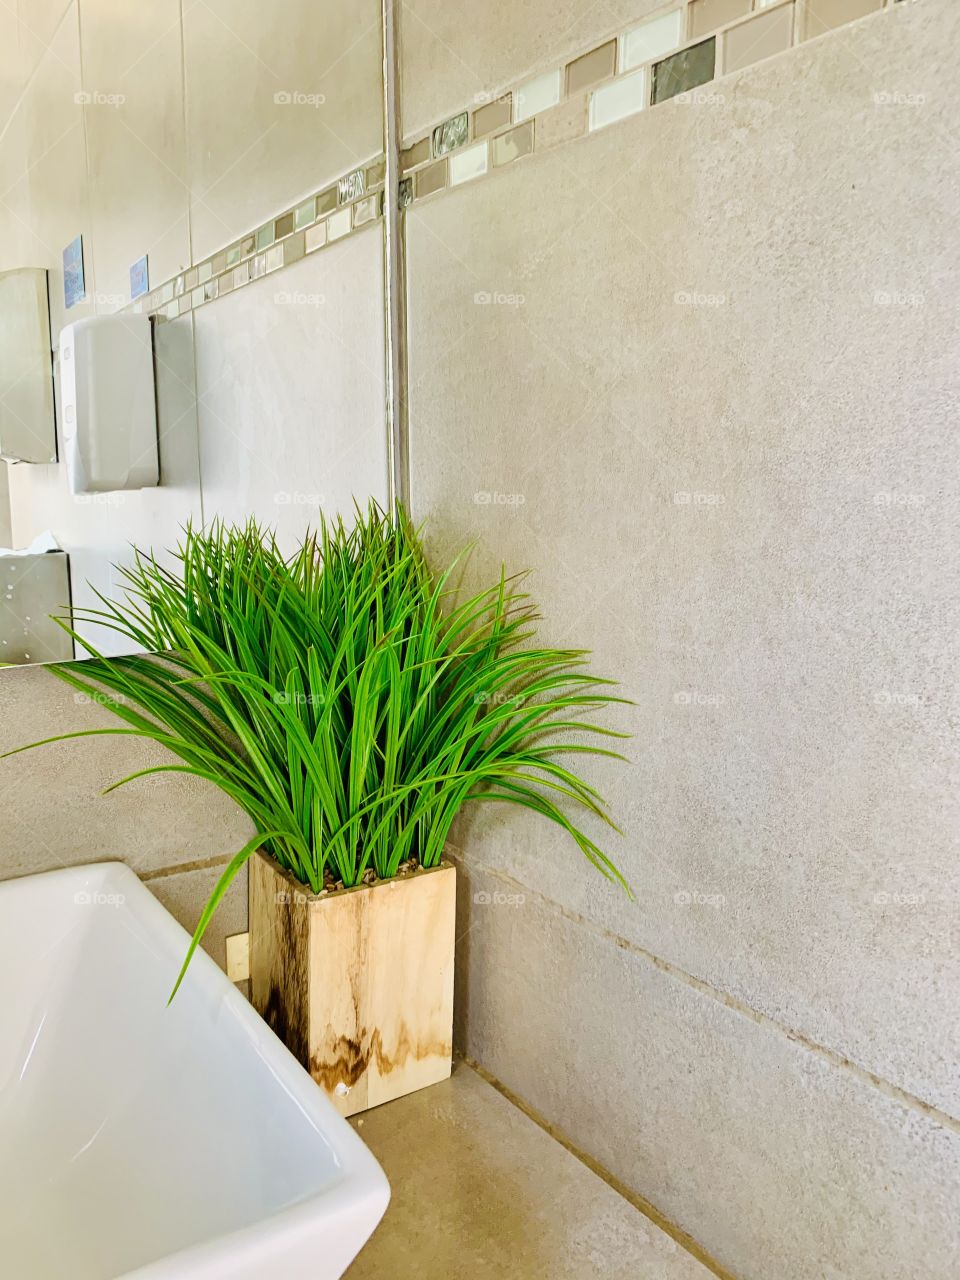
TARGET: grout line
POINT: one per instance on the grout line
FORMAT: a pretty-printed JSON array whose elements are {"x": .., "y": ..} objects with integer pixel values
[
  {"x": 836, "y": 1059},
  {"x": 182, "y": 868},
  {"x": 639, "y": 1202}
]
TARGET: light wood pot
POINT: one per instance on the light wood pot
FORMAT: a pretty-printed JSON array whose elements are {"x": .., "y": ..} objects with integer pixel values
[{"x": 358, "y": 983}]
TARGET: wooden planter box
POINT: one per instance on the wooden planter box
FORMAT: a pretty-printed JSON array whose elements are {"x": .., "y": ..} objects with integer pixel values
[{"x": 358, "y": 984}]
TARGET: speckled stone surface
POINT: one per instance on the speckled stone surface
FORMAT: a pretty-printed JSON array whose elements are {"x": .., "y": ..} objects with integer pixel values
[
  {"x": 480, "y": 1192},
  {"x": 721, "y": 425}
]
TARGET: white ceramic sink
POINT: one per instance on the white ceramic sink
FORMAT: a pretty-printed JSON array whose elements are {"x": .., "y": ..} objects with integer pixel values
[{"x": 149, "y": 1143}]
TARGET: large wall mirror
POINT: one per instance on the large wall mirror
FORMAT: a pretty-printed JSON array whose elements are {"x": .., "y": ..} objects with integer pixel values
[{"x": 216, "y": 169}]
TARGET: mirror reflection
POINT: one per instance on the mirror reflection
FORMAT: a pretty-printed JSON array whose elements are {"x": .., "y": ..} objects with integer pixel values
[{"x": 191, "y": 289}]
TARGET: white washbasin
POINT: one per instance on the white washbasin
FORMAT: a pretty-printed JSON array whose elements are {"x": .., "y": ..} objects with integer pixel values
[{"x": 149, "y": 1143}]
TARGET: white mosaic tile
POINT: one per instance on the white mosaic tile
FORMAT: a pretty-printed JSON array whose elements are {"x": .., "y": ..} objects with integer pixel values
[
  {"x": 468, "y": 164},
  {"x": 619, "y": 99},
  {"x": 651, "y": 39},
  {"x": 537, "y": 95}
]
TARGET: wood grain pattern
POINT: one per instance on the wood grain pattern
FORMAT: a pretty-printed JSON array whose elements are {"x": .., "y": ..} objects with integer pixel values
[{"x": 359, "y": 984}]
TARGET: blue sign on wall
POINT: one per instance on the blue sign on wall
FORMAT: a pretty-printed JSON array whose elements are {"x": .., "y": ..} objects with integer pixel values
[
  {"x": 139, "y": 279},
  {"x": 74, "y": 290}
]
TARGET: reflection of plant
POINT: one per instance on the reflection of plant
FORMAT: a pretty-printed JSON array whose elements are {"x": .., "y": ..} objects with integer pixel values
[{"x": 343, "y": 698}]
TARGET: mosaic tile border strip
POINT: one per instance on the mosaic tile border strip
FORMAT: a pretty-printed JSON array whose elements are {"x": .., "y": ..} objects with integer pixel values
[
  {"x": 353, "y": 201},
  {"x": 671, "y": 54}
]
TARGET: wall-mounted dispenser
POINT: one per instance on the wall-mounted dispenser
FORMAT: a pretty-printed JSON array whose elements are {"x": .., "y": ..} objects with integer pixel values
[
  {"x": 109, "y": 404},
  {"x": 28, "y": 431}
]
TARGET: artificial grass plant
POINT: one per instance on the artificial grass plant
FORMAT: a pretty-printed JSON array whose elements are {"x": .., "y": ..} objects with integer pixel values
[{"x": 344, "y": 697}]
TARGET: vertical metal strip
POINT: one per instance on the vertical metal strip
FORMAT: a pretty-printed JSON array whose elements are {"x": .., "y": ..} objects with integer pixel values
[{"x": 394, "y": 281}]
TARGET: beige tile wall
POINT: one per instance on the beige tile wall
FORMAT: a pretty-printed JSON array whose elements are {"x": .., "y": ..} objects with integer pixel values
[{"x": 716, "y": 419}]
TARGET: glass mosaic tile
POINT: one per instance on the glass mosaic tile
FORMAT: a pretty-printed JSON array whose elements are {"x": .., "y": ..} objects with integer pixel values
[
  {"x": 685, "y": 70},
  {"x": 265, "y": 237},
  {"x": 451, "y": 134},
  {"x": 305, "y": 213},
  {"x": 419, "y": 153},
  {"x": 351, "y": 186},
  {"x": 273, "y": 258},
  {"x": 283, "y": 226}
]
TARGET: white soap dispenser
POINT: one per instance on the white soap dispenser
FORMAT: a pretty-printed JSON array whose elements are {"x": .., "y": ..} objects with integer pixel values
[{"x": 109, "y": 404}]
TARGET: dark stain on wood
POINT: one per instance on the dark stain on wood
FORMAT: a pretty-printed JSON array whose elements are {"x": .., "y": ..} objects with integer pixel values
[{"x": 345, "y": 1061}]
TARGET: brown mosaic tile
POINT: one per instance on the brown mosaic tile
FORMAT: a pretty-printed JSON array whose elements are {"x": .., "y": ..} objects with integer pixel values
[
  {"x": 431, "y": 179},
  {"x": 284, "y": 225},
  {"x": 824, "y": 15},
  {"x": 294, "y": 248},
  {"x": 190, "y": 280},
  {"x": 247, "y": 246},
  {"x": 511, "y": 146},
  {"x": 707, "y": 15},
  {"x": 768, "y": 32},
  {"x": 562, "y": 124},
  {"x": 588, "y": 70},
  {"x": 419, "y": 153},
  {"x": 495, "y": 115},
  {"x": 219, "y": 264},
  {"x": 376, "y": 174},
  {"x": 326, "y": 201}
]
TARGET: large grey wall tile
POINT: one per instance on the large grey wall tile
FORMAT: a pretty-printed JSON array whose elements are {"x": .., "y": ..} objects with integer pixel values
[
  {"x": 778, "y": 1162},
  {"x": 721, "y": 408}
]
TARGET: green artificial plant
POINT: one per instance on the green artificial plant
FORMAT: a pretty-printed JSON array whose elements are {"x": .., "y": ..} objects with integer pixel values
[{"x": 344, "y": 697}]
